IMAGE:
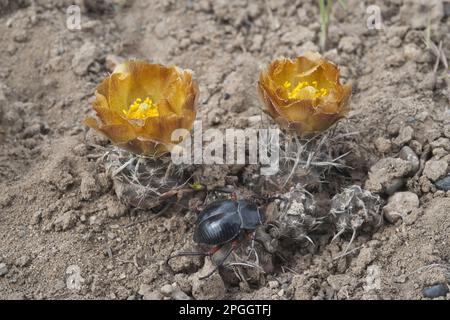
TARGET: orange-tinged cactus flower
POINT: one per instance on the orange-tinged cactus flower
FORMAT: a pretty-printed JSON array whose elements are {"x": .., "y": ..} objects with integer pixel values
[
  {"x": 141, "y": 104},
  {"x": 304, "y": 95}
]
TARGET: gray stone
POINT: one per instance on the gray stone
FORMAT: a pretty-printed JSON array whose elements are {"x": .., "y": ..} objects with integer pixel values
[
  {"x": 447, "y": 128},
  {"x": 386, "y": 176},
  {"x": 32, "y": 130},
  {"x": 438, "y": 290},
  {"x": 416, "y": 146},
  {"x": 443, "y": 143},
  {"x": 349, "y": 44},
  {"x": 3, "y": 269},
  {"x": 36, "y": 217},
  {"x": 161, "y": 29},
  {"x": 383, "y": 145},
  {"x": 65, "y": 221},
  {"x": 404, "y": 136},
  {"x": 443, "y": 184},
  {"x": 435, "y": 169},
  {"x": 22, "y": 261},
  {"x": 20, "y": 36},
  {"x": 439, "y": 153},
  {"x": 167, "y": 290},
  {"x": 84, "y": 58},
  {"x": 273, "y": 284},
  {"x": 406, "y": 153},
  {"x": 400, "y": 205},
  {"x": 177, "y": 294}
]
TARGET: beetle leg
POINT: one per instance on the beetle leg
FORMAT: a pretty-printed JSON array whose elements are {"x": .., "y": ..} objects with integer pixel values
[
  {"x": 234, "y": 196},
  {"x": 233, "y": 247},
  {"x": 194, "y": 253}
]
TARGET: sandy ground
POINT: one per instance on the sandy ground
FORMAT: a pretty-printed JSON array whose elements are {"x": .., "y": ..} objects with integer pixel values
[{"x": 65, "y": 235}]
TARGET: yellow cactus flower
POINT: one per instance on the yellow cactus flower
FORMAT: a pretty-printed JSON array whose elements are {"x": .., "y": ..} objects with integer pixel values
[
  {"x": 140, "y": 104},
  {"x": 304, "y": 95}
]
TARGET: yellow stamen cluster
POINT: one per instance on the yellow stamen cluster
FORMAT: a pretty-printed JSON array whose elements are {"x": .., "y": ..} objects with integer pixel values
[
  {"x": 142, "y": 110},
  {"x": 318, "y": 92}
]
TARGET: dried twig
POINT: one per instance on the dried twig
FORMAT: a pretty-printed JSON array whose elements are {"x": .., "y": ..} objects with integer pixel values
[{"x": 436, "y": 50}]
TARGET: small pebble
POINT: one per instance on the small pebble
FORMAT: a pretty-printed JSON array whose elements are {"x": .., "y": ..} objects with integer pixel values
[
  {"x": 400, "y": 205},
  {"x": 438, "y": 290},
  {"x": 180, "y": 295},
  {"x": 3, "y": 269},
  {"x": 383, "y": 145},
  {"x": 447, "y": 130},
  {"x": 429, "y": 81},
  {"x": 405, "y": 135},
  {"x": 435, "y": 169},
  {"x": 443, "y": 184},
  {"x": 416, "y": 146},
  {"x": 21, "y": 37},
  {"x": 273, "y": 284},
  {"x": 167, "y": 290},
  {"x": 23, "y": 261},
  {"x": 443, "y": 143},
  {"x": 406, "y": 153}
]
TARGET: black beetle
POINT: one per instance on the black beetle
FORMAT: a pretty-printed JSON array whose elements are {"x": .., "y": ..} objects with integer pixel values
[{"x": 222, "y": 222}]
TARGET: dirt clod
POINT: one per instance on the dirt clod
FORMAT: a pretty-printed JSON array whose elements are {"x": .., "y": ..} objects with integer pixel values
[
  {"x": 83, "y": 58},
  {"x": 148, "y": 293},
  {"x": 210, "y": 288},
  {"x": 400, "y": 205},
  {"x": 435, "y": 169},
  {"x": 65, "y": 221},
  {"x": 405, "y": 135},
  {"x": 387, "y": 175}
]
